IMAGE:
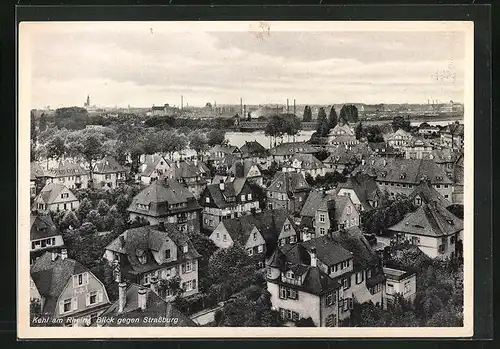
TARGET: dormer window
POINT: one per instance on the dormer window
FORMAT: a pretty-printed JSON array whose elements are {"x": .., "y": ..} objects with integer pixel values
[
  {"x": 402, "y": 175},
  {"x": 439, "y": 178},
  {"x": 185, "y": 248},
  {"x": 167, "y": 254},
  {"x": 383, "y": 174},
  {"x": 287, "y": 227},
  {"x": 142, "y": 259},
  {"x": 207, "y": 199},
  {"x": 450, "y": 222},
  {"x": 243, "y": 198}
]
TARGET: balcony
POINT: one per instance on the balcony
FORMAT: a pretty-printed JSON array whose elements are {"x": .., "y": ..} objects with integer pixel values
[{"x": 291, "y": 281}]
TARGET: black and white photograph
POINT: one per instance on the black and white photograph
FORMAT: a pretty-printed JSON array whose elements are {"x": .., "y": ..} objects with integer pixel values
[{"x": 302, "y": 178}]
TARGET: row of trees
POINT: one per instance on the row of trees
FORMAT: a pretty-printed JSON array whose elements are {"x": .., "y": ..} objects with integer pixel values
[{"x": 281, "y": 125}]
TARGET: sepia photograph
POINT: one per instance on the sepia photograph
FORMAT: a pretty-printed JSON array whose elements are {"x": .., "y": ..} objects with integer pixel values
[{"x": 299, "y": 178}]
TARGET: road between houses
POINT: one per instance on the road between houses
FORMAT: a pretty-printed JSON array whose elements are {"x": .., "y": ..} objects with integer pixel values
[{"x": 205, "y": 316}]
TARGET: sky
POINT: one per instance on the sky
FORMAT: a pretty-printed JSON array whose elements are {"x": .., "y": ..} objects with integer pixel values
[{"x": 141, "y": 64}]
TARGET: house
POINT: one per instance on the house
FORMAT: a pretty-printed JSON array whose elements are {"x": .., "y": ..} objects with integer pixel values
[
  {"x": 285, "y": 151},
  {"x": 67, "y": 290},
  {"x": 153, "y": 168},
  {"x": 44, "y": 236},
  {"x": 446, "y": 158},
  {"x": 458, "y": 181},
  {"x": 399, "y": 139},
  {"x": 324, "y": 212},
  {"x": 139, "y": 306},
  {"x": 108, "y": 173},
  {"x": 167, "y": 201},
  {"x": 218, "y": 152},
  {"x": 452, "y": 136},
  {"x": 227, "y": 200},
  {"x": 257, "y": 152},
  {"x": 69, "y": 174},
  {"x": 363, "y": 191},
  {"x": 191, "y": 174},
  {"x": 37, "y": 179},
  {"x": 401, "y": 176},
  {"x": 433, "y": 229},
  {"x": 401, "y": 282},
  {"x": 342, "y": 157},
  {"x": 246, "y": 169},
  {"x": 382, "y": 149},
  {"x": 428, "y": 130},
  {"x": 158, "y": 251},
  {"x": 310, "y": 278},
  {"x": 258, "y": 233},
  {"x": 288, "y": 190},
  {"x": 424, "y": 193},
  {"x": 342, "y": 134},
  {"x": 55, "y": 197},
  {"x": 418, "y": 148},
  {"x": 305, "y": 164}
]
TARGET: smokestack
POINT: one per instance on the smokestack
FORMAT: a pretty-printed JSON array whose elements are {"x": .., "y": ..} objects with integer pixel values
[
  {"x": 141, "y": 298},
  {"x": 294, "y": 109},
  {"x": 244, "y": 110},
  {"x": 182, "y": 102},
  {"x": 122, "y": 296},
  {"x": 313, "y": 257},
  {"x": 287, "y": 109},
  {"x": 241, "y": 106},
  {"x": 221, "y": 185}
]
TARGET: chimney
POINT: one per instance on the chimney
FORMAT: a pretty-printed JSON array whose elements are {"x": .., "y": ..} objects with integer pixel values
[
  {"x": 161, "y": 225},
  {"x": 122, "y": 296},
  {"x": 141, "y": 298},
  {"x": 362, "y": 161},
  {"x": 221, "y": 185},
  {"x": 117, "y": 271},
  {"x": 433, "y": 204},
  {"x": 64, "y": 254},
  {"x": 54, "y": 256},
  {"x": 154, "y": 285},
  {"x": 313, "y": 257}
]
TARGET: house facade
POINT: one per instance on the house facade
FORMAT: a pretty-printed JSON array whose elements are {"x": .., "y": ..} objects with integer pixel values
[
  {"x": 169, "y": 202},
  {"x": 67, "y": 291},
  {"x": 399, "y": 282},
  {"x": 69, "y": 174},
  {"x": 305, "y": 164},
  {"x": 418, "y": 148},
  {"x": 342, "y": 134},
  {"x": 363, "y": 192},
  {"x": 288, "y": 190},
  {"x": 285, "y": 151},
  {"x": 108, "y": 173},
  {"x": 55, "y": 197},
  {"x": 160, "y": 252},
  {"x": 153, "y": 167},
  {"x": 453, "y": 136},
  {"x": 399, "y": 139},
  {"x": 44, "y": 236}
]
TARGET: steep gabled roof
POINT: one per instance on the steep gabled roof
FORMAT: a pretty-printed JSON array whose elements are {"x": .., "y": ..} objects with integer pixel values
[
  {"x": 307, "y": 161},
  {"x": 51, "y": 277},
  {"x": 288, "y": 182},
  {"x": 156, "y": 308},
  {"x": 328, "y": 251},
  {"x": 429, "y": 194},
  {"x": 51, "y": 192},
  {"x": 293, "y": 148},
  {"x": 151, "y": 162},
  {"x": 365, "y": 188},
  {"x": 241, "y": 167},
  {"x": 253, "y": 148},
  {"x": 66, "y": 168},
  {"x": 108, "y": 165},
  {"x": 42, "y": 226},
  {"x": 231, "y": 189},
  {"x": 429, "y": 220}
]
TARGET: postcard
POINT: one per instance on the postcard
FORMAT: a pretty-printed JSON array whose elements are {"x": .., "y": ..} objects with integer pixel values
[{"x": 245, "y": 179}]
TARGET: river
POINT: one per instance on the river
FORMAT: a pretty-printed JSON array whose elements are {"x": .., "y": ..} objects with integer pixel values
[{"x": 239, "y": 138}]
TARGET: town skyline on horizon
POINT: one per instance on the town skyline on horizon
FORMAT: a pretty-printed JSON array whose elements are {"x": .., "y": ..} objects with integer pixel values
[{"x": 142, "y": 64}]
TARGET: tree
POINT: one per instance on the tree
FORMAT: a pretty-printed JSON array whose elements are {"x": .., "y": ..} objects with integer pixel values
[
  {"x": 306, "y": 322},
  {"x": 379, "y": 220},
  {"x": 307, "y": 117},
  {"x": 56, "y": 148},
  {"x": 114, "y": 221},
  {"x": 71, "y": 118},
  {"x": 399, "y": 122},
  {"x": 198, "y": 141},
  {"x": 322, "y": 128},
  {"x": 373, "y": 133},
  {"x": 84, "y": 208},
  {"x": 332, "y": 117},
  {"x": 172, "y": 284},
  {"x": 231, "y": 270},
  {"x": 292, "y": 125},
  {"x": 102, "y": 207},
  {"x": 69, "y": 221},
  {"x": 358, "y": 130},
  {"x": 96, "y": 219},
  {"x": 216, "y": 137},
  {"x": 42, "y": 122},
  {"x": 206, "y": 248},
  {"x": 349, "y": 113},
  {"x": 259, "y": 194},
  {"x": 275, "y": 128}
]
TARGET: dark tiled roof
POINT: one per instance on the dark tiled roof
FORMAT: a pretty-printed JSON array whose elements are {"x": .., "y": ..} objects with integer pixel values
[
  {"x": 108, "y": 165},
  {"x": 240, "y": 168},
  {"x": 307, "y": 161},
  {"x": 225, "y": 149},
  {"x": 317, "y": 199},
  {"x": 365, "y": 188},
  {"x": 231, "y": 189},
  {"x": 293, "y": 148},
  {"x": 429, "y": 220},
  {"x": 455, "y": 129},
  {"x": 67, "y": 169},
  {"x": 253, "y": 148},
  {"x": 444, "y": 155},
  {"x": 143, "y": 240},
  {"x": 36, "y": 171},
  {"x": 429, "y": 194},
  {"x": 151, "y": 163},
  {"x": 156, "y": 308},
  {"x": 159, "y": 195},
  {"x": 51, "y": 277},
  {"x": 354, "y": 241},
  {"x": 288, "y": 183},
  {"x": 42, "y": 226},
  {"x": 403, "y": 170},
  {"x": 51, "y": 191},
  {"x": 329, "y": 251}
]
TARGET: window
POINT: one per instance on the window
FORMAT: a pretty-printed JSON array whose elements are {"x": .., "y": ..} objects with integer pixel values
[
  {"x": 292, "y": 239},
  {"x": 322, "y": 218},
  {"x": 418, "y": 201},
  {"x": 189, "y": 266},
  {"x": 167, "y": 254},
  {"x": 345, "y": 283},
  {"x": 250, "y": 251},
  {"x": 369, "y": 274},
  {"x": 390, "y": 289},
  {"x": 80, "y": 279},
  {"x": 92, "y": 298},
  {"x": 217, "y": 236},
  {"x": 254, "y": 235},
  {"x": 321, "y": 231},
  {"x": 224, "y": 237},
  {"x": 407, "y": 287},
  {"x": 359, "y": 277},
  {"x": 185, "y": 248},
  {"x": 446, "y": 186},
  {"x": 269, "y": 271},
  {"x": 67, "y": 305},
  {"x": 249, "y": 197},
  {"x": 330, "y": 298},
  {"x": 446, "y": 196},
  {"x": 287, "y": 227},
  {"x": 282, "y": 292},
  {"x": 349, "y": 209},
  {"x": 331, "y": 320},
  {"x": 415, "y": 240},
  {"x": 260, "y": 248},
  {"x": 438, "y": 186},
  {"x": 207, "y": 199}
]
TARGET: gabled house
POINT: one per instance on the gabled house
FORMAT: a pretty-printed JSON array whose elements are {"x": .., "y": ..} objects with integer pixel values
[
  {"x": 153, "y": 168},
  {"x": 55, "y": 197},
  {"x": 452, "y": 136},
  {"x": 191, "y": 174},
  {"x": 458, "y": 181},
  {"x": 288, "y": 190},
  {"x": 218, "y": 152},
  {"x": 418, "y": 148},
  {"x": 108, "y": 173},
  {"x": 159, "y": 251},
  {"x": 256, "y": 152},
  {"x": 382, "y": 149},
  {"x": 169, "y": 202},
  {"x": 424, "y": 193},
  {"x": 139, "y": 306},
  {"x": 69, "y": 174},
  {"x": 44, "y": 236},
  {"x": 446, "y": 158},
  {"x": 401, "y": 176},
  {"x": 246, "y": 169},
  {"x": 342, "y": 134},
  {"x": 67, "y": 291},
  {"x": 227, "y": 200},
  {"x": 285, "y": 151},
  {"x": 37, "y": 179},
  {"x": 363, "y": 191},
  {"x": 433, "y": 229},
  {"x": 324, "y": 212},
  {"x": 305, "y": 164},
  {"x": 399, "y": 139}
]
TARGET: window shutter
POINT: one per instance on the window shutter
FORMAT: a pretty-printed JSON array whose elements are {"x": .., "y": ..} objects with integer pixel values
[
  {"x": 194, "y": 284},
  {"x": 99, "y": 296},
  {"x": 74, "y": 303},
  {"x": 183, "y": 267},
  {"x": 75, "y": 281},
  {"x": 193, "y": 265},
  {"x": 86, "y": 278},
  {"x": 87, "y": 299},
  {"x": 61, "y": 307}
]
